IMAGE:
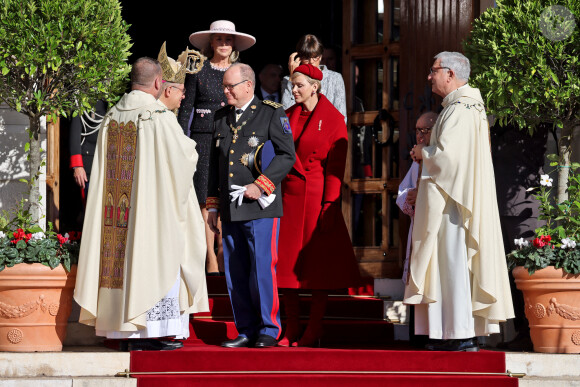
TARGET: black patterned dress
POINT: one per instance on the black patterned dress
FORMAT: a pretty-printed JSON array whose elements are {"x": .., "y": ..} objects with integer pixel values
[{"x": 203, "y": 96}]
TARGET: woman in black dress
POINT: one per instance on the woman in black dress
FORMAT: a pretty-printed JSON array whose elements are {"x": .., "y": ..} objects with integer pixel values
[{"x": 221, "y": 44}]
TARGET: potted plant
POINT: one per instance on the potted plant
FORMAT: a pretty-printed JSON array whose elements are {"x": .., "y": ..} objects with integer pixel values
[
  {"x": 37, "y": 277},
  {"x": 547, "y": 269},
  {"x": 525, "y": 60},
  {"x": 57, "y": 58}
]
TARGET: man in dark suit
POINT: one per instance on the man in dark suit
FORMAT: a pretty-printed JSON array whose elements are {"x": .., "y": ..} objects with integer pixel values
[
  {"x": 250, "y": 203},
  {"x": 270, "y": 82}
]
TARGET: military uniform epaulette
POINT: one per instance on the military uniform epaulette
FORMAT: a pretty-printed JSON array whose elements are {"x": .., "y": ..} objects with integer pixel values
[{"x": 275, "y": 105}]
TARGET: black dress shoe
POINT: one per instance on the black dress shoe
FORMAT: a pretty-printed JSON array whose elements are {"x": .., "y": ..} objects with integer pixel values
[
  {"x": 458, "y": 345},
  {"x": 238, "y": 342},
  {"x": 172, "y": 343},
  {"x": 265, "y": 341},
  {"x": 150, "y": 345}
]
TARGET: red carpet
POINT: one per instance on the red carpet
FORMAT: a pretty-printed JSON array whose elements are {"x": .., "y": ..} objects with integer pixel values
[
  {"x": 218, "y": 366},
  {"x": 360, "y": 351},
  {"x": 292, "y": 380}
]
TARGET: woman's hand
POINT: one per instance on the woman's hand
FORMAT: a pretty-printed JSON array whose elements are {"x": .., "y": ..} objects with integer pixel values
[
  {"x": 212, "y": 221},
  {"x": 293, "y": 62}
]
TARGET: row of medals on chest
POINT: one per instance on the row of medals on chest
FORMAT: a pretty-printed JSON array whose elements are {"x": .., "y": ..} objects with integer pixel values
[{"x": 253, "y": 141}]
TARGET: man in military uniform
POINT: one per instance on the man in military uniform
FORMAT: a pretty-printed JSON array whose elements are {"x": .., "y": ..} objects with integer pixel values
[{"x": 249, "y": 201}]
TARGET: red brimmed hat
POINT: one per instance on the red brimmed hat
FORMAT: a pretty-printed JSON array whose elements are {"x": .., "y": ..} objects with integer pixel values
[{"x": 310, "y": 70}]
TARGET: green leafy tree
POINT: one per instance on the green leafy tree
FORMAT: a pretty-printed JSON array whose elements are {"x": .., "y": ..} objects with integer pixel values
[
  {"x": 58, "y": 57},
  {"x": 525, "y": 60}
]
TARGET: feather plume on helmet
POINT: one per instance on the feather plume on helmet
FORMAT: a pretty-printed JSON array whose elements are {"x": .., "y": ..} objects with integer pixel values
[{"x": 188, "y": 62}]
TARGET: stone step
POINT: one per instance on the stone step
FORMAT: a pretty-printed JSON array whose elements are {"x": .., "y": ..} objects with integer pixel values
[
  {"x": 548, "y": 366},
  {"x": 71, "y": 363},
  {"x": 549, "y": 382}
]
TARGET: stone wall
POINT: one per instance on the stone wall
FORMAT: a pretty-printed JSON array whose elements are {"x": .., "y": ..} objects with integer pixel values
[{"x": 13, "y": 164}]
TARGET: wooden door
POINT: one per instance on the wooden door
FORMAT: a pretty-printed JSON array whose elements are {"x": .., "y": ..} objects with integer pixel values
[
  {"x": 427, "y": 28},
  {"x": 370, "y": 69},
  {"x": 388, "y": 47}
]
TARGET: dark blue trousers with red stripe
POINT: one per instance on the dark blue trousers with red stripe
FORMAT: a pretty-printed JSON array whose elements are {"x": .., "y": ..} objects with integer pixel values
[{"x": 250, "y": 257}]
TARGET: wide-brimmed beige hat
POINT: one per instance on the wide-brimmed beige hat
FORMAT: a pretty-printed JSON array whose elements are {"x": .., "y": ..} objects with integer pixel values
[{"x": 242, "y": 42}]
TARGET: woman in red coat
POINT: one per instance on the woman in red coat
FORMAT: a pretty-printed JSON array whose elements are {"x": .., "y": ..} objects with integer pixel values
[{"x": 314, "y": 247}]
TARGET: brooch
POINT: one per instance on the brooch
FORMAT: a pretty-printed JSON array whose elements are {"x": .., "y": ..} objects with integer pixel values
[
  {"x": 253, "y": 141},
  {"x": 244, "y": 159}
]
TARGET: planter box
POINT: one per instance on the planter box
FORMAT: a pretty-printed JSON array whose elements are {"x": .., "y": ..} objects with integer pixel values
[
  {"x": 35, "y": 303},
  {"x": 552, "y": 304}
]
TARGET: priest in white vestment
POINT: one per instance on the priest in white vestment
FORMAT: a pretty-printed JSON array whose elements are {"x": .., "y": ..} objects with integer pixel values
[
  {"x": 458, "y": 275},
  {"x": 407, "y": 194},
  {"x": 141, "y": 265}
]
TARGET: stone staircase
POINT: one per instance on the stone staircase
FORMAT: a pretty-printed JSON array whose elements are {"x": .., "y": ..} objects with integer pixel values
[
  {"x": 96, "y": 366},
  {"x": 86, "y": 362}
]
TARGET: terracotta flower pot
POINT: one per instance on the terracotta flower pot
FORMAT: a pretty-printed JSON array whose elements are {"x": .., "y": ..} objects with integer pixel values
[
  {"x": 35, "y": 303},
  {"x": 552, "y": 303}
]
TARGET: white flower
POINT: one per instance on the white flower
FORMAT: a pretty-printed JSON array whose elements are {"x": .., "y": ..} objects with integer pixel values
[
  {"x": 2, "y": 235},
  {"x": 521, "y": 242},
  {"x": 253, "y": 141},
  {"x": 67, "y": 236},
  {"x": 37, "y": 236},
  {"x": 545, "y": 180},
  {"x": 568, "y": 243}
]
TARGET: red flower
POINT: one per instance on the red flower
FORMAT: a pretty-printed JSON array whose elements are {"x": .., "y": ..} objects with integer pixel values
[
  {"x": 62, "y": 240},
  {"x": 546, "y": 238},
  {"x": 538, "y": 243},
  {"x": 20, "y": 235}
]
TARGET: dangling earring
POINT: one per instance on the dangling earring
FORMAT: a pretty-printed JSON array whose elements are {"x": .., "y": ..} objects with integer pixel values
[{"x": 313, "y": 92}]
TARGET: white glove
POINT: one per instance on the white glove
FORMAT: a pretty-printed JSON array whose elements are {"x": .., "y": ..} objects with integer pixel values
[
  {"x": 238, "y": 194},
  {"x": 265, "y": 200}
]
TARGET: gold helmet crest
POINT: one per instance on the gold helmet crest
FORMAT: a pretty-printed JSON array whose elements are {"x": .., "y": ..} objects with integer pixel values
[{"x": 188, "y": 62}]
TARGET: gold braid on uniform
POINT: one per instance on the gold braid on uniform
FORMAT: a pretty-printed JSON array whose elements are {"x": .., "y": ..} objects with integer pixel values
[
  {"x": 212, "y": 202},
  {"x": 275, "y": 105}
]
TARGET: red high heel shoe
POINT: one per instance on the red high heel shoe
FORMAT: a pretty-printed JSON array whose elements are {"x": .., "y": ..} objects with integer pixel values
[{"x": 313, "y": 333}]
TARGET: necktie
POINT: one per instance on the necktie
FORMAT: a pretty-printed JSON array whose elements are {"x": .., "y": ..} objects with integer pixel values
[
  {"x": 271, "y": 97},
  {"x": 239, "y": 112}
]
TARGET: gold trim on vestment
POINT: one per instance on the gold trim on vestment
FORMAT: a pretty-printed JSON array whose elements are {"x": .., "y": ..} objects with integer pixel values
[{"x": 121, "y": 145}]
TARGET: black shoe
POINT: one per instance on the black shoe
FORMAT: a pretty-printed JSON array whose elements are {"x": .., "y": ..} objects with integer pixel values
[
  {"x": 458, "y": 345},
  {"x": 238, "y": 342},
  {"x": 150, "y": 345},
  {"x": 172, "y": 343},
  {"x": 265, "y": 341}
]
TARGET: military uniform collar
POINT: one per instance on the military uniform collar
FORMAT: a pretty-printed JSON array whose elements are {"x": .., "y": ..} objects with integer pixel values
[{"x": 243, "y": 107}]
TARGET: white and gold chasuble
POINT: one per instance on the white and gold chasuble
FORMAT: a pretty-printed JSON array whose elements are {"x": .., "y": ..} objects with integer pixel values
[
  {"x": 143, "y": 244},
  {"x": 457, "y": 244}
]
